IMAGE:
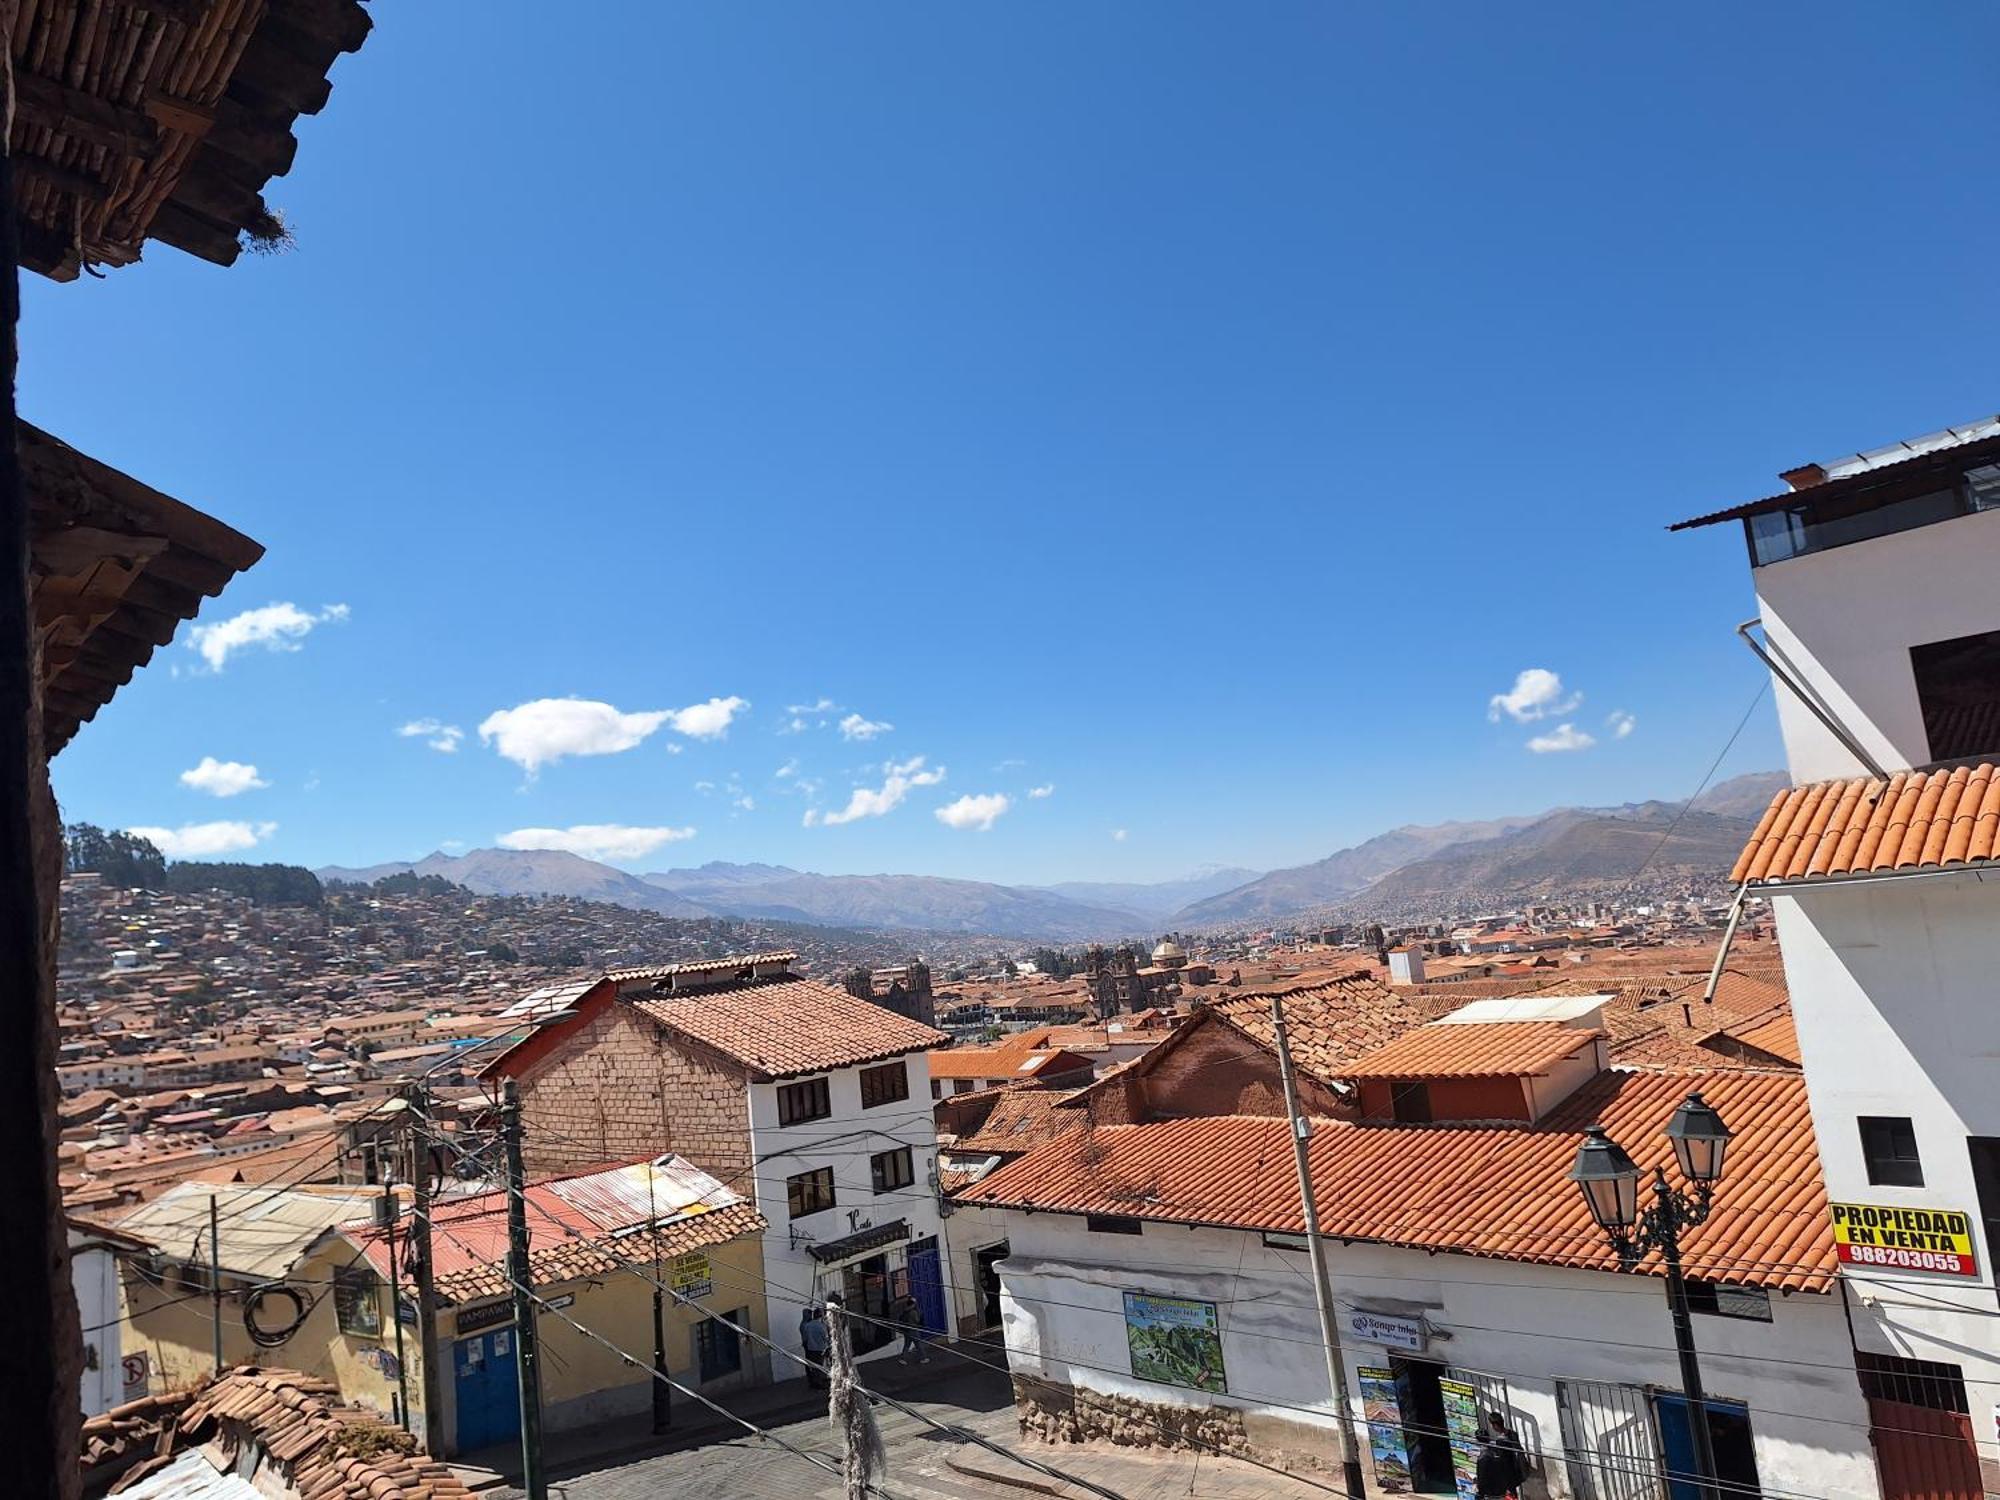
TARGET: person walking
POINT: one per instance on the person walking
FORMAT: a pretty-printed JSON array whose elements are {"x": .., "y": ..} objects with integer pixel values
[
  {"x": 906, "y": 1315},
  {"x": 1502, "y": 1465},
  {"x": 813, "y": 1340}
]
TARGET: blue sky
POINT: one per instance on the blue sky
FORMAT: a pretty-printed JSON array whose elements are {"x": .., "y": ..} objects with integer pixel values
[{"x": 1201, "y": 411}]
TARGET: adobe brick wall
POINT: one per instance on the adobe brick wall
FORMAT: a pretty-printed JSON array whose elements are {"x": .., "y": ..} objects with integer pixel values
[
  {"x": 619, "y": 1088},
  {"x": 1215, "y": 1071}
]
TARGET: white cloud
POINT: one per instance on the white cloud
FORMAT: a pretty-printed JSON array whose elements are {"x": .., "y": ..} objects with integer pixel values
[
  {"x": 706, "y": 721},
  {"x": 873, "y": 802},
  {"x": 1562, "y": 737},
  {"x": 223, "y": 778},
  {"x": 435, "y": 733},
  {"x": 535, "y": 734},
  {"x": 803, "y": 716},
  {"x": 1042, "y": 791},
  {"x": 1537, "y": 694},
  {"x": 596, "y": 840},
  {"x": 205, "y": 840},
  {"x": 854, "y": 727},
  {"x": 1621, "y": 723},
  {"x": 789, "y": 768},
  {"x": 819, "y": 706},
  {"x": 1118, "y": 835},
  {"x": 744, "y": 801},
  {"x": 275, "y": 627},
  {"x": 980, "y": 812}
]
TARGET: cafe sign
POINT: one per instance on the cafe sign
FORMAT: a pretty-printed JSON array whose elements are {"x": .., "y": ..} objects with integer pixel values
[{"x": 1905, "y": 1239}]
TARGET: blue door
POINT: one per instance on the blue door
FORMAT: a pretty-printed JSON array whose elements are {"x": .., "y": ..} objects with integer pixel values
[
  {"x": 488, "y": 1392},
  {"x": 927, "y": 1282},
  {"x": 1729, "y": 1435}
]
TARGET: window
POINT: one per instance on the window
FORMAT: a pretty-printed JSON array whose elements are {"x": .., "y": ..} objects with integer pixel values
[
  {"x": 718, "y": 1345},
  {"x": 1721, "y": 1301},
  {"x": 1410, "y": 1102},
  {"x": 884, "y": 1085},
  {"x": 963, "y": 1085},
  {"x": 1889, "y": 1146},
  {"x": 1958, "y": 692},
  {"x": 1112, "y": 1224},
  {"x": 802, "y": 1101},
  {"x": 891, "y": 1169},
  {"x": 1813, "y": 525},
  {"x": 809, "y": 1192},
  {"x": 937, "y": 1088},
  {"x": 356, "y": 1307},
  {"x": 1914, "y": 1382},
  {"x": 1985, "y": 1152}
]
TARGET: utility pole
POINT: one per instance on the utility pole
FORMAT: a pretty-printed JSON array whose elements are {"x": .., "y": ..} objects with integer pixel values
[
  {"x": 215, "y": 1276},
  {"x": 1329, "y": 1326},
  {"x": 527, "y": 1361},
  {"x": 417, "y": 1122},
  {"x": 663, "y": 1409},
  {"x": 391, "y": 1210}
]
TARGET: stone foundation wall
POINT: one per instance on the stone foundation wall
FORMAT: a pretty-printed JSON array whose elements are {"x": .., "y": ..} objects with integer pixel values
[{"x": 1057, "y": 1413}]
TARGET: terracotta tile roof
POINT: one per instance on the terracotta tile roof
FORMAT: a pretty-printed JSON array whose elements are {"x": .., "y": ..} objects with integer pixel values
[
  {"x": 1913, "y": 821},
  {"x": 780, "y": 1028},
  {"x": 596, "y": 1255},
  {"x": 1330, "y": 1022},
  {"x": 1485, "y": 1049},
  {"x": 1776, "y": 1034},
  {"x": 326, "y": 1450},
  {"x": 1489, "y": 1190},
  {"x": 1006, "y": 1062},
  {"x": 1022, "y": 1119}
]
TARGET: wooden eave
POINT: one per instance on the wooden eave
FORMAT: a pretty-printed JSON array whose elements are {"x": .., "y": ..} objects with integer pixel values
[{"x": 161, "y": 119}]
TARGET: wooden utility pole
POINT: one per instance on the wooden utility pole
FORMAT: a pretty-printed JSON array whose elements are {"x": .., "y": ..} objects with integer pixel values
[
  {"x": 527, "y": 1353},
  {"x": 215, "y": 1276},
  {"x": 663, "y": 1410},
  {"x": 417, "y": 1124},
  {"x": 1329, "y": 1324}
]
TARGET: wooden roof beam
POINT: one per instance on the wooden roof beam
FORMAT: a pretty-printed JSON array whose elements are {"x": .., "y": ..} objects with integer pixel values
[{"x": 83, "y": 116}]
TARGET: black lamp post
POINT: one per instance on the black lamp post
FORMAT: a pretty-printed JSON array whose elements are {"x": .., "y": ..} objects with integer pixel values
[{"x": 1609, "y": 1180}]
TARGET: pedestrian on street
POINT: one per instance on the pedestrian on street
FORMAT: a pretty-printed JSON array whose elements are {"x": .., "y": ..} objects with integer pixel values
[
  {"x": 813, "y": 1340},
  {"x": 1502, "y": 1465},
  {"x": 906, "y": 1315}
]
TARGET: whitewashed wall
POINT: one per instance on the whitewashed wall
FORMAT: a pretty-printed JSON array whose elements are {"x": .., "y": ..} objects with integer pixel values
[
  {"x": 844, "y": 1141},
  {"x": 1531, "y": 1325},
  {"x": 1845, "y": 620},
  {"x": 93, "y": 1272}
]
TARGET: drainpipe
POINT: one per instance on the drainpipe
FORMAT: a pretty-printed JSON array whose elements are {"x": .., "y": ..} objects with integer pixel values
[{"x": 1812, "y": 704}]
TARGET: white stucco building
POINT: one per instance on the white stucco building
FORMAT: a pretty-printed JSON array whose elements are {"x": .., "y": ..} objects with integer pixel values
[{"x": 1878, "y": 584}]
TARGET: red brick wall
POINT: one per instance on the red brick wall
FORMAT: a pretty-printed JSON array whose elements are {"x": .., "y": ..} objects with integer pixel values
[{"x": 618, "y": 1089}]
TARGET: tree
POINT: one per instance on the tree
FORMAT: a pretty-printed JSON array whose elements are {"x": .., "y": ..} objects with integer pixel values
[{"x": 116, "y": 857}]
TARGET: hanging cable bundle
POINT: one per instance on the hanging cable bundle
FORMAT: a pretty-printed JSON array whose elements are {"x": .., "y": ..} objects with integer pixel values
[
  {"x": 852, "y": 1416},
  {"x": 253, "y": 1303}
]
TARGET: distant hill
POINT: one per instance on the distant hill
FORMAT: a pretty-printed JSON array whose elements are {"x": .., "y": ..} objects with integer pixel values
[
  {"x": 531, "y": 872},
  {"x": 928, "y": 902},
  {"x": 1505, "y": 859},
  {"x": 1161, "y": 899}
]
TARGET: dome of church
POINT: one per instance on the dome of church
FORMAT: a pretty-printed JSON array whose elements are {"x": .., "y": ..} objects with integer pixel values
[{"x": 1168, "y": 952}]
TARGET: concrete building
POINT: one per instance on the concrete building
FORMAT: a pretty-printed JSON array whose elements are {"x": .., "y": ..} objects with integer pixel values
[{"x": 1874, "y": 577}]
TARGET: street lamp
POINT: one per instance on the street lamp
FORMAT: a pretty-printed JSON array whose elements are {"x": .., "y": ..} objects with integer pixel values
[{"x": 1609, "y": 1181}]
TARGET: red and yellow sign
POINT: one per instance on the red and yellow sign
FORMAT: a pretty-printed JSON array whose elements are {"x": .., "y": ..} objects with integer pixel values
[{"x": 1904, "y": 1239}]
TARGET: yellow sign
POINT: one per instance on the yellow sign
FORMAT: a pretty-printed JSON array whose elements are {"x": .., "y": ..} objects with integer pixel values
[
  {"x": 1907, "y": 1239},
  {"x": 691, "y": 1275}
]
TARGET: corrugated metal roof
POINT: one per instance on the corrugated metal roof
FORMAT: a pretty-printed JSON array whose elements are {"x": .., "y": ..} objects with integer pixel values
[
  {"x": 702, "y": 966},
  {"x": 551, "y": 997},
  {"x": 263, "y": 1231},
  {"x": 1492, "y": 1190},
  {"x": 1915, "y": 820},
  {"x": 191, "y": 1477},
  {"x": 626, "y": 1197}
]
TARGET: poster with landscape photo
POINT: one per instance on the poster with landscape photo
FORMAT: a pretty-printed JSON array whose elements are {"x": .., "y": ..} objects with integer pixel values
[{"x": 1175, "y": 1341}]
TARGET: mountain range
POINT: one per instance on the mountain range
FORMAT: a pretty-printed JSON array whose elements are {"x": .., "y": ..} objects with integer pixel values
[{"x": 1406, "y": 871}]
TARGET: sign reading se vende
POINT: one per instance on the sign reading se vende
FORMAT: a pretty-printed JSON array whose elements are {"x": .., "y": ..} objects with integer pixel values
[{"x": 1909, "y": 1239}]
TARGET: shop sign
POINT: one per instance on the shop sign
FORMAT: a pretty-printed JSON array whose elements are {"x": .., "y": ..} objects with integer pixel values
[
  {"x": 1176, "y": 1341},
  {"x": 1461, "y": 1425},
  {"x": 1908, "y": 1239},
  {"x": 691, "y": 1275},
  {"x": 492, "y": 1315},
  {"x": 1386, "y": 1328}
]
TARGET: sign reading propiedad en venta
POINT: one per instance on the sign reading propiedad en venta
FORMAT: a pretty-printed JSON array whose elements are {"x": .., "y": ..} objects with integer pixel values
[{"x": 1906, "y": 1239}]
